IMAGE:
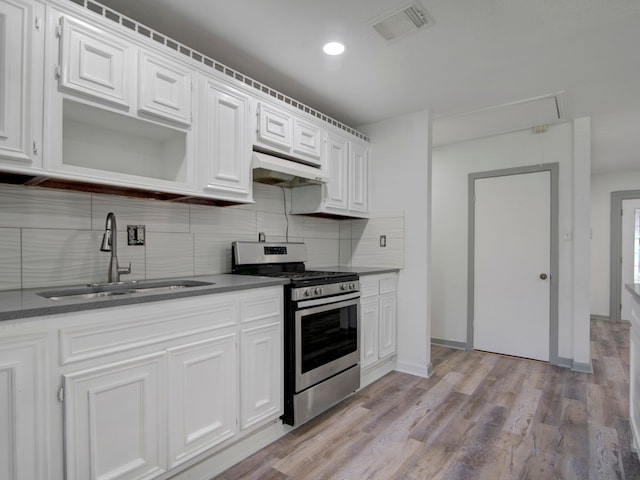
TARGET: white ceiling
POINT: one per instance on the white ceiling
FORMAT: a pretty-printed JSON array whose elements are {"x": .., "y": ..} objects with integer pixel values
[{"x": 477, "y": 54}]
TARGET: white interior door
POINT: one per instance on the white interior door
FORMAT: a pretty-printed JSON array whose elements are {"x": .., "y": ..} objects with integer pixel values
[
  {"x": 512, "y": 262},
  {"x": 628, "y": 253}
]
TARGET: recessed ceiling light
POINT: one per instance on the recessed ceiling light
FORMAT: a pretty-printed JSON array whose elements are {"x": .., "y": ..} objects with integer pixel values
[{"x": 333, "y": 48}]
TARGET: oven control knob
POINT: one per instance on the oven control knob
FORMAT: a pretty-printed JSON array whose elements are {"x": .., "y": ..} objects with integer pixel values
[
  {"x": 308, "y": 292},
  {"x": 318, "y": 291},
  {"x": 352, "y": 286},
  {"x": 344, "y": 286}
]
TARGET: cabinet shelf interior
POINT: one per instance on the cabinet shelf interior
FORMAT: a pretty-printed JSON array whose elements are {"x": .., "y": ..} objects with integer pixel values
[{"x": 99, "y": 139}]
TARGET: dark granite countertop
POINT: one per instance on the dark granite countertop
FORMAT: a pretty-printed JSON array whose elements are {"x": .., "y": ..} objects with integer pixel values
[
  {"x": 16, "y": 304},
  {"x": 359, "y": 270}
]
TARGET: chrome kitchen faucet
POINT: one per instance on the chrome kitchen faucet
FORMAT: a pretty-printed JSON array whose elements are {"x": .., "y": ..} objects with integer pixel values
[{"x": 110, "y": 244}]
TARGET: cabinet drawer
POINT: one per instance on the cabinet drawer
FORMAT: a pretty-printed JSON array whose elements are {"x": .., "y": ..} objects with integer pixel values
[
  {"x": 368, "y": 286},
  {"x": 118, "y": 329},
  {"x": 264, "y": 304},
  {"x": 388, "y": 284}
]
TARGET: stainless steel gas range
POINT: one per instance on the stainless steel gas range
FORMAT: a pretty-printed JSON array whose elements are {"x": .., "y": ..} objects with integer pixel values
[{"x": 321, "y": 329}]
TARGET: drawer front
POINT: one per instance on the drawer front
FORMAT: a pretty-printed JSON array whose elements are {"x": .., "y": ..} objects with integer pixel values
[
  {"x": 369, "y": 286},
  {"x": 388, "y": 284},
  {"x": 262, "y": 305},
  {"x": 109, "y": 331}
]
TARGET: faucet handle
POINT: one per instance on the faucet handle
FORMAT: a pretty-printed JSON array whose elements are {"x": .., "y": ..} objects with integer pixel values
[{"x": 125, "y": 271}]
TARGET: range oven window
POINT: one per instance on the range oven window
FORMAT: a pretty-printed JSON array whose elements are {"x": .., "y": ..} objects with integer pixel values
[{"x": 328, "y": 336}]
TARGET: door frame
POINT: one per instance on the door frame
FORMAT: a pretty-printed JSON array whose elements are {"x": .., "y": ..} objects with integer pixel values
[
  {"x": 615, "y": 249},
  {"x": 553, "y": 169}
]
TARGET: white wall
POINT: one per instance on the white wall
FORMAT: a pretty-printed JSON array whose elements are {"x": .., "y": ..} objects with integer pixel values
[
  {"x": 601, "y": 187},
  {"x": 451, "y": 166},
  {"x": 401, "y": 165}
]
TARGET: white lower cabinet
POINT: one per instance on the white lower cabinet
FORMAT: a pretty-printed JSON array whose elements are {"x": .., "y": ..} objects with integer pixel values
[
  {"x": 202, "y": 396},
  {"x": 261, "y": 349},
  {"x": 115, "y": 424},
  {"x": 22, "y": 408},
  {"x": 149, "y": 387},
  {"x": 378, "y": 319}
]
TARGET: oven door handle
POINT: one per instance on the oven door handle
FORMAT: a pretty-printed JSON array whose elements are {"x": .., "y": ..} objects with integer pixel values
[{"x": 327, "y": 301}]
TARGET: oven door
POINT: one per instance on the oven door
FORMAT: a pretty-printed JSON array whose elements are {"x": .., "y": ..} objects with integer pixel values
[{"x": 327, "y": 338}]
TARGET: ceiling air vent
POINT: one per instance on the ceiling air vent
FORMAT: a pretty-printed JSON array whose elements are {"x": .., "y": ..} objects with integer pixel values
[{"x": 401, "y": 21}]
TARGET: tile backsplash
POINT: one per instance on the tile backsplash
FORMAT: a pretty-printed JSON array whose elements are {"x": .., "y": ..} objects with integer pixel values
[{"x": 52, "y": 237}]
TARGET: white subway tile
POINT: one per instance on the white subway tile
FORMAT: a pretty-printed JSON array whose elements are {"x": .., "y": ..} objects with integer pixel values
[
  {"x": 10, "y": 259},
  {"x": 61, "y": 257},
  {"x": 392, "y": 227},
  {"x": 32, "y": 207},
  {"x": 269, "y": 198},
  {"x": 367, "y": 252},
  {"x": 345, "y": 252},
  {"x": 322, "y": 252},
  {"x": 169, "y": 255},
  {"x": 155, "y": 215},
  {"x": 321, "y": 228},
  {"x": 224, "y": 222}
]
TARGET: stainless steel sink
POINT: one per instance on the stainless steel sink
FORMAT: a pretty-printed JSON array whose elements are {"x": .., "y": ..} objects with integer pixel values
[{"x": 96, "y": 290}]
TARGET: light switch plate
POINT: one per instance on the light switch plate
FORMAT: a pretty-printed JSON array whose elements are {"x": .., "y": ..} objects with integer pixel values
[
  {"x": 383, "y": 240},
  {"x": 135, "y": 235}
]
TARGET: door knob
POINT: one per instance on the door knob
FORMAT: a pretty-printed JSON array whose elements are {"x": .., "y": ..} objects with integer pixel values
[{"x": 543, "y": 276}]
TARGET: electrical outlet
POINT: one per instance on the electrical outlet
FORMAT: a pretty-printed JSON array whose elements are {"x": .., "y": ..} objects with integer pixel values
[
  {"x": 383, "y": 240},
  {"x": 135, "y": 235}
]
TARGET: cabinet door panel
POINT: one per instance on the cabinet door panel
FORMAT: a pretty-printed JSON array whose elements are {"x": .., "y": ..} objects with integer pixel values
[
  {"x": 164, "y": 89},
  {"x": 15, "y": 79},
  {"x": 94, "y": 63},
  {"x": 115, "y": 425},
  {"x": 22, "y": 422},
  {"x": 337, "y": 168},
  {"x": 369, "y": 318},
  {"x": 387, "y": 345},
  {"x": 224, "y": 151},
  {"x": 358, "y": 179},
  {"x": 202, "y": 397},
  {"x": 275, "y": 127},
  {"x": 307, "y": 141},
  {"x": 260, "y": 373}
]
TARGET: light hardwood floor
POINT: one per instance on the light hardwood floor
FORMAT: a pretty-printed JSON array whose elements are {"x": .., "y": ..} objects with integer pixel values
[{"x": 481, "y": 416}]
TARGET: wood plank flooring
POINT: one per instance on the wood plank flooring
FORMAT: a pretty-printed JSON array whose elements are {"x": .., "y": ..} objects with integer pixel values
[{"x": 481, "y": 416}]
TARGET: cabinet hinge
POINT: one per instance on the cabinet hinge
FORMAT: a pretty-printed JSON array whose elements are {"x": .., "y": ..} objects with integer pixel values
[
  {"x": 58, "y": 31},
  {"x": 37, "y": 23},
  {"x": 61, "y": 394},
  {"x": 35, "y": 148},
  {"x": 58, "y": 72}
]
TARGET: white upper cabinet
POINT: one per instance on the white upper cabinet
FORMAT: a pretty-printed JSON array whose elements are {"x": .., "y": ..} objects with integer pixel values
[
  {"x": 337, "y": 194},
  {"x": 164, "y": 89},
  {"x": 275, "y": 127},
  {"x": 287, "y": 133},
  {"x": 358, "y": 179},
  {"x": 20, "y": 62},
  {"x": 307, "y": 140},
  {"x": 95, "y": 64},
  {"x": 224, "y": 154},
  {"x": 347, "y": 192}
]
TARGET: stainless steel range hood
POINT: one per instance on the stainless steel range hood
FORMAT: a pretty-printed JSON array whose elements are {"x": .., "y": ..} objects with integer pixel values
[{"x": 283, "y": 172}]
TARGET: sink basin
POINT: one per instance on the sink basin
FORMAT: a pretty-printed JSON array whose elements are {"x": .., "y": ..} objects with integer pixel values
[{"x": 96, "y": 290}]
